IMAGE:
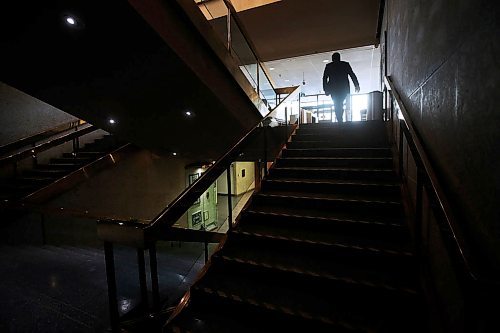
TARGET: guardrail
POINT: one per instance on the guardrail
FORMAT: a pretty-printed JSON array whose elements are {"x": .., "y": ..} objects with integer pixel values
[{"x": 476, "y": 281}]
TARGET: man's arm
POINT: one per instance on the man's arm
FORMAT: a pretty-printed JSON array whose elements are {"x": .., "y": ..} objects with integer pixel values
[{"x": 353, "y": 78}]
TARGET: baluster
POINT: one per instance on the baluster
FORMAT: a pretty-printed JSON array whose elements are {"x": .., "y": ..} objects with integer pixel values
[
  {"x": 153, "y": 265},
  {"x": 141, "y": 263},
  {"x": 111, "y": 279},
  {"x": 229, "y": 200}
]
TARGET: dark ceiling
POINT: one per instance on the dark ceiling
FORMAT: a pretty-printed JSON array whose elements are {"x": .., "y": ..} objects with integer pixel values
[{"x": 113, "y": 64}]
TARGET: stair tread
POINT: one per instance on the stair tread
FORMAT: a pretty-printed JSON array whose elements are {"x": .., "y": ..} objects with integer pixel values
[
  {"x": 273, "y": 211},
  {"x": 336, "y": 158},
  {"x": 336, "y": 169},
  {"x": 198, "y": 318},
  {"x": 313, "y": 300},
  {"x": 329, "y": 196},
  {"x": 315, "y": 271},
  {"x": 330, "y": 243},
  {"x": 385, "y": 149},
  {"x": 313, "y": 213},
  {"x": 366, "y": 182},
  {"x": 325, "y": 233}
]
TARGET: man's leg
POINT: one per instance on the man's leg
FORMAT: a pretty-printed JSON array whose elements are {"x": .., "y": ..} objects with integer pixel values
[{"x": 338, "y": 104}]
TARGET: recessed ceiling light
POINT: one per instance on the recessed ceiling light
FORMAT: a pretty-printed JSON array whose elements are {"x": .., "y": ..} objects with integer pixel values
[
  {"x": 70, "y": 20},
  {"x": 112, "y": 121},
  {"x": 175, "y": 154},
  {"x": 271, "y": 68},
  {"x": 188, "y": 113}
]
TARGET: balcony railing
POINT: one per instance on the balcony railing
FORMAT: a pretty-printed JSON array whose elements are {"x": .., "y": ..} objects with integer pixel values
[{"x": 232, "y": 33}]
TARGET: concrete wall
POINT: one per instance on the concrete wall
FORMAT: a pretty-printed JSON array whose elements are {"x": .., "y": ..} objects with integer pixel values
[
  {"x": 22, "y": 115},
  {"x": 443, "y": 56}
]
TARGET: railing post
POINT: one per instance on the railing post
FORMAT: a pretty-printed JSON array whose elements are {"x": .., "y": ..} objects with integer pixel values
[
  {"x": 155, "y": 289},
  {"x": 206, "y": 249},
  {"x": 76, "y": 142},
  {"x": 34, "y": 157},
  {"x": 418, "y": 211},
  {"x": 111, "y": 279},
  {"x": 258, "y": 175},
  {"x": 229, "y": 200},
  {"x": 264, "y": 130},
  {"x": 401, "y": 141},
  {"x": 300, "y": 111},
  {"x": 42, "y": 226},
  {"x": 228, "y": 30},
  {"x": 141, "y": 263},
  {"x": 286, "y": 124}
]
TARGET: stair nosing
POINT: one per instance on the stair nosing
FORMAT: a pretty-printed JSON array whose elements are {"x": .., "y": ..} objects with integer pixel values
[
  {"x": 331, "y": 244},
  {"x": 327, "y": 182},
  {"x": 325, "y": 218},
  {"x": 275, "y": 308},
  {"x": 326, "y": 276},
  {"x": 328, "y": 199},
  {"x": 333, "y": 169}
]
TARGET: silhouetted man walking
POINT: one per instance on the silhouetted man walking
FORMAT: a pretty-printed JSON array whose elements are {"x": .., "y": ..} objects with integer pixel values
[{"x": 336, "y": 83}]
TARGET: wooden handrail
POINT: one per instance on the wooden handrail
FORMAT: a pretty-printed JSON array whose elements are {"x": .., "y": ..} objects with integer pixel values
[
  {"x": 47, "y": 145},
  {"x": 31, "y": 139},
  {"x": 140, "y": 235},
  {"x": 440, "y": 196}
]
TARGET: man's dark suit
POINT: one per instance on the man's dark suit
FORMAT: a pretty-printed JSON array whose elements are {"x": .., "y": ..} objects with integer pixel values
[{"x": 336, "y": 84}]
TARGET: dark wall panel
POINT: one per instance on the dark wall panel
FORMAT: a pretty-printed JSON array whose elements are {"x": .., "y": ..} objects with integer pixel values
[{"x": 444, "y": 59}]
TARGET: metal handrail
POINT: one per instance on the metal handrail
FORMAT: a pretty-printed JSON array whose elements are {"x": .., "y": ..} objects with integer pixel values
[
  {"x": 47, "y": 145},
  {"x": 468, "y": 263},
  {"x": 140, "y": 235},
  {"x": 245, "y": 34},
  {"x": 32, "y": 139}
]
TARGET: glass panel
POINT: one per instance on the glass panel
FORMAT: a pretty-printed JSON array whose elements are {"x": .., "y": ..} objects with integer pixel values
[
  {"x": 210, "y": 211},
  {"x": 320, "y": 107},
  {"x": 266, "y": 90},
  {"x": 216, "y": 13}
]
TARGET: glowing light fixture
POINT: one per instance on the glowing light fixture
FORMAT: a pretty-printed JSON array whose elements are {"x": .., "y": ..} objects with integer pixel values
[
  {"x": 271, "y": 68},
  {"x": 175, "y": 154},
  {"x": 70, "y": 20},
  {"x": 326, "y": 60},
  {"x": 188, "y": 113},
  {"x": 112, "y": 121}
]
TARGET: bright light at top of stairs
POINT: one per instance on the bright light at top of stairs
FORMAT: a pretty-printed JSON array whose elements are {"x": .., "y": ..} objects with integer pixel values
[{"x": 216, "y": 8}]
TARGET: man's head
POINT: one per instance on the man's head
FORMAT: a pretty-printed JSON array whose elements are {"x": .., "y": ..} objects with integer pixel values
[{"x": 336, "y": 57}]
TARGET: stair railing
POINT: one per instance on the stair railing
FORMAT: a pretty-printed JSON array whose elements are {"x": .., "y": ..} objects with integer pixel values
[
  {"x": 31, "y": 140},
  {"x": 256, "y": 145},
  {"x": 476, "y": 282},
  {"x": 50, "y": 143},
  {"x": 241, "y": 48}
]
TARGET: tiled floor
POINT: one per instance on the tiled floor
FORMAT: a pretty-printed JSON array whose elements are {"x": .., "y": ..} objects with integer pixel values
[{"x": 63, "y": 289}]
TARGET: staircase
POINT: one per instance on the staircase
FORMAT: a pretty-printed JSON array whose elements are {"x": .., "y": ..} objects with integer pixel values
[
  {"x": 323, "y": 247},
  {"x": 41, "y": 175}
]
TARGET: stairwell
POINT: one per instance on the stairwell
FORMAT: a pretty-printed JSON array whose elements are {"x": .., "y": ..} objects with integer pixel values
[
  {"x": 323, "y": 247},
  {"x": 44, "y": 174}
]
